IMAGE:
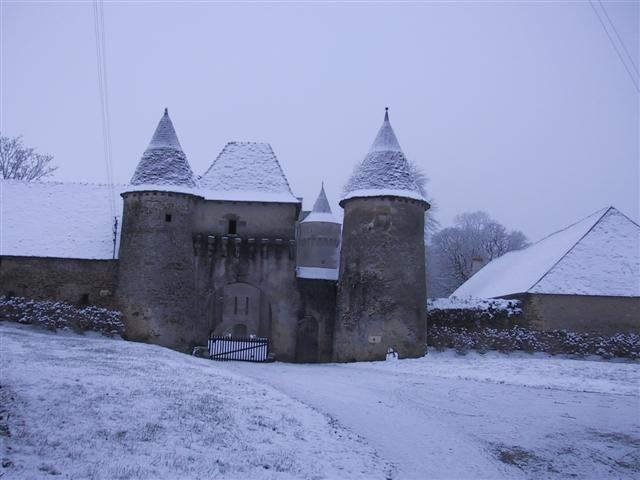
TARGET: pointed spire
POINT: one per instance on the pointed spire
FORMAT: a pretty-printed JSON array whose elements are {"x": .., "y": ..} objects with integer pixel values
[
  {"x": 165, "y": 134},
  {"x": 386, "y": 140},
  {"x": 322, "y": 204},
  {"x": 321, "y": 210},
  {"x": 164, "y": 162},
  {"x": 384, "y": 170}
]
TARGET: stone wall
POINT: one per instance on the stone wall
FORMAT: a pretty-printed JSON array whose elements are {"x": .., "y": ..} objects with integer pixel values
[
  {"x": 156, "y": 279},
  {"x": 381, "y": 292},
  {"x": 82, "y": 282},
  {"x": 582, "y": 313},
  {"x": 245, "y": 281},
  {"x": 317, "y": 244}
]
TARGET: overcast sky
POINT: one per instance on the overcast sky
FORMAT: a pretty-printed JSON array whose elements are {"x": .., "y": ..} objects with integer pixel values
[{"x": 521, "y": 109}]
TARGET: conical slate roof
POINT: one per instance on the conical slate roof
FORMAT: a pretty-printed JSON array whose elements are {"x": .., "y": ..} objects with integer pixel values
[
  {"x": 384, "y": 171},
  {"x": 599, "y": 255},
  {"x": 250, "y": 171},
  {"x": 164, "y": 162},
  {"x": 321, "y": 210}
]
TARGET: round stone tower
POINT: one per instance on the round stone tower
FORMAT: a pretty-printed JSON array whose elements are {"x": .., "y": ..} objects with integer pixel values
[
  {"x": 318, "y": 237},
  {"x": 382, "y": 287},
  {"x": 156, "y": 278}
]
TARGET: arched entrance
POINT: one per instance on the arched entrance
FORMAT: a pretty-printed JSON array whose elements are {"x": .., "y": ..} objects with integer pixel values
[
  {"x": 240, "y": 312},
  {"x": 307, "y": 340}
]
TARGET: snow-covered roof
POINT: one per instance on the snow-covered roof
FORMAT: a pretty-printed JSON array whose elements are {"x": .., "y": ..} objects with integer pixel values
[
  {"x": 321, "y": 211},
  {"x": 317, "y": 273},
  {"x": 164, "y": 162},
  {"x": 599, "y": 255},
  {"x": 247, "y": 171},
  {"x": 62, "y": 220},
  {"x": 384, "y": 171}
]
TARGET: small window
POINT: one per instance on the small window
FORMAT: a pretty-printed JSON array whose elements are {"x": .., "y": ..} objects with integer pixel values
[
  {"x": 233, "y": 227},
  {"x": 167, "y": 217},
  {"x": 246, "y": 305},
  {"x": 84, "y": 299}
]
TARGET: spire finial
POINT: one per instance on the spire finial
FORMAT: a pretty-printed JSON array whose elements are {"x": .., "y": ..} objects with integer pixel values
[
  {"x": 386, "y": 114},
  {"x": 166, "y": 111}
]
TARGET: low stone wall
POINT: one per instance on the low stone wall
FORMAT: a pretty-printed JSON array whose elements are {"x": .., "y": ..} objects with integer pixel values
[
  {"x": 582, "y": 313},
  {"x": 80, "y": 282}
]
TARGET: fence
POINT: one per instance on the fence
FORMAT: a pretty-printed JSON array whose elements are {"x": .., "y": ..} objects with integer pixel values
[{"x": 239, "y": 348}]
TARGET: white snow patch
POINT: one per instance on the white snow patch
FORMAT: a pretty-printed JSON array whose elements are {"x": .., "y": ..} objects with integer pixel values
[
  {"x": 85, "y": 407},
  {"x": 247, "y": 167},
  {"x": 317, "y": 273},
  {"x": 320, "y": 217},
  {"x": 63, "y": 220},
  {"x": 471, "y": 303}
]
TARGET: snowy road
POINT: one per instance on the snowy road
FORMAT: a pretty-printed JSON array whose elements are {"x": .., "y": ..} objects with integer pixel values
[{"x": 430, "y": 426}]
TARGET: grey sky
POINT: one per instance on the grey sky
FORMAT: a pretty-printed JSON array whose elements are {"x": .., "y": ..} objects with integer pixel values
[{"x": 520, "y": 109}]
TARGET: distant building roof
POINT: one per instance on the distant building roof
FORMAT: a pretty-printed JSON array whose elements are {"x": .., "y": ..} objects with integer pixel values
[
  {"x": 164, "y": 162},
  {"x": 321, "y": 210},
  {"x": 62, "y": 220},
  {"x": 599, "y": 255},
  {"x": 384, "y": 170},
  {"x": 246, "y": 171}
]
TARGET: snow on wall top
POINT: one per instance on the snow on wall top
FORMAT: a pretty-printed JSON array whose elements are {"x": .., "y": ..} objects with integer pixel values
[
  {"x": 164, "y": 162},
  {"x": 321, "y": 210},
  {"x": 383, "y": 171},
  {"x": 61, "y": 220},
  {"x": 599, "y": 255},
  {"x": 249, "y": 168}
]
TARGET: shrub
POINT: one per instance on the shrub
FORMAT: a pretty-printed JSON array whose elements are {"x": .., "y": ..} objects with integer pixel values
[
  {"x": 483, "y": 339},
  {"x": 61, "y": 315}
]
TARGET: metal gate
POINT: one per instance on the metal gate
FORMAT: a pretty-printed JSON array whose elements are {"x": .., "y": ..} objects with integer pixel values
[{"x": 247, "y": 349}]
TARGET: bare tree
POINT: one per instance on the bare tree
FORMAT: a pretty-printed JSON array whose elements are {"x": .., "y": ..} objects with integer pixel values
[
  {"x": 453, "y": 250},
  {"x": 23, "y": 163},
  {"x": 431, "y": 224}
]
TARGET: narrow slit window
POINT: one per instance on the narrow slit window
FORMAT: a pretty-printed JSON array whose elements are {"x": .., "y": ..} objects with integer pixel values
[
  {"x": 235, "y": 305},
  {"x": 167, "y": 217},
  {"x": 246, "y": 305},
  {"x": 233, "y": 227}
]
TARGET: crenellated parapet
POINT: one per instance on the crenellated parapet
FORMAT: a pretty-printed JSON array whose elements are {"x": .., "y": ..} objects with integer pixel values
[{"x": 212, "y": 247}]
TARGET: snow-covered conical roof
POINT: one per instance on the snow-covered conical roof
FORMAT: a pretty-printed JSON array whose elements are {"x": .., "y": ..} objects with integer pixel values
[
  {"x": 384, "y": 170},
  {"x": 164, "y": 162},
  {"x": 321, "y": 210},
  {"x": 247, "y": 171}
]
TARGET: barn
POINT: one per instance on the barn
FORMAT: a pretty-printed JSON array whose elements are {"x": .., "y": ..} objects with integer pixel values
[{"x": 584, "y": 278}]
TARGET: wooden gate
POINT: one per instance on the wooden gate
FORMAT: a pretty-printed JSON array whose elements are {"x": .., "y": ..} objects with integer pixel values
[{"x": 247, "y": 349}]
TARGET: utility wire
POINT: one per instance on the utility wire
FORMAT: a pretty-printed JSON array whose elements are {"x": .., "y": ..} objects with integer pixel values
[
  {"x": 615, "y": 30},
  {"x": 615, "y": 47},
  {"x": 98, "y": 23}
]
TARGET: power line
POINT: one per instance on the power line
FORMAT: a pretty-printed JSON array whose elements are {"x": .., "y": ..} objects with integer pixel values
[
  {"x": 615, "y": 30},
  {"x": 105, "y": 116},
  {"x": 615, "y": 47}
]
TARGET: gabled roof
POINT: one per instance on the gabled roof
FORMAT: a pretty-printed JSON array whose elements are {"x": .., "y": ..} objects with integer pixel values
[
  {"x": 62, "y": 220},
  {"x": 164, "y": 162},
  {"x": 599, "y": 255},
  {"x": 383, "y": 171},
  {"x": 247, "y": 171},
  {"x": 321, "y": 210}
]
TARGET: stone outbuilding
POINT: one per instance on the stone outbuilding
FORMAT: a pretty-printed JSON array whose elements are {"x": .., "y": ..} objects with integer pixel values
[{"x": 584, "y": 278}]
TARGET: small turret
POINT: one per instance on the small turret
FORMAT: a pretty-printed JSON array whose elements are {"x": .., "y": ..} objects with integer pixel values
[
  {"x": 318, "y": 240},
  {"x": 381, "y": 289}
]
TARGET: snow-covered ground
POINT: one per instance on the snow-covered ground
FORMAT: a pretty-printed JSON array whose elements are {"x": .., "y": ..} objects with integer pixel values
[{"x": 90, "y": 407}]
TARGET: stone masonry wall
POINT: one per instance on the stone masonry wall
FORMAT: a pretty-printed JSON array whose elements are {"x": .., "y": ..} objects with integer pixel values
[
  {"x": 157, "y": 270},
  {"x": 582, "y": 313},
  {"x": 381, "y": 291},
  {"x": 83, "y": 282}
]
